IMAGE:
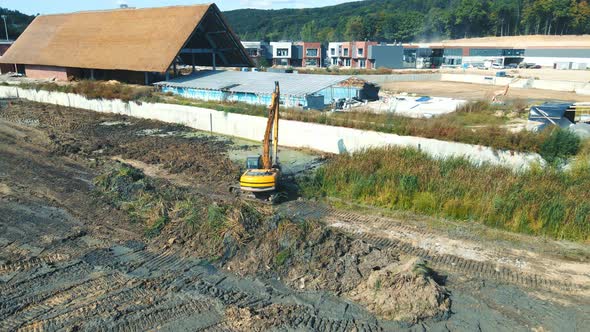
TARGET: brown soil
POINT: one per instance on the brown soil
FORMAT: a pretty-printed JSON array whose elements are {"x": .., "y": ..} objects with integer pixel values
[
  {"x": 84, "y": 135},
  {"x": 478, "y": 91}
]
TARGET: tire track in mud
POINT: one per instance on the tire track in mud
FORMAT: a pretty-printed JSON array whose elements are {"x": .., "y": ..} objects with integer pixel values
[
  {"x": 90, "y": 300},
  {"x": 130, "y": 289},
  {"x": 60, "y": 297},
  {"x": 444, "y": 262},
  {"x": 33, "y": 263}
]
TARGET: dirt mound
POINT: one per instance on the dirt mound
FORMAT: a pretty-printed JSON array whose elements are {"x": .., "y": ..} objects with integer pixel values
[
  {"x": 354, "y": 82},
  {"x": 312, "y": 257},
  {"x": 404, "y": 292}
]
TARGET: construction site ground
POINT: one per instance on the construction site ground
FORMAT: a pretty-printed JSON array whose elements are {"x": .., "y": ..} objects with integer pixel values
[
  {"x": 540, "y": 73},
  {"x": 469, "y": 91},
  {"x": 70, "y": 261}
]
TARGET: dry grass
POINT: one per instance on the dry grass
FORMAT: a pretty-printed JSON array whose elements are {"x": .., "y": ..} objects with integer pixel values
[{"x": 100, "y": 90}]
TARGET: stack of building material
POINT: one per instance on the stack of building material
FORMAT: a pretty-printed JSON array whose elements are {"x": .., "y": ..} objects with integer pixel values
[
  {"x": 581, "y": 111},
  {"x": 551, "y": 114},
  {"x": 575, "y": 116},
  {"x": 368, "y": 91}
]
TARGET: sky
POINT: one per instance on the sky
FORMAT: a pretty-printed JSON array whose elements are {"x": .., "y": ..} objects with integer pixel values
[{"x": 33, "y": 7}]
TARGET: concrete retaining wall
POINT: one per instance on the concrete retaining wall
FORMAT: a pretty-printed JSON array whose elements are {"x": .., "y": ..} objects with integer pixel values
[{"x": 293, "y": 133}]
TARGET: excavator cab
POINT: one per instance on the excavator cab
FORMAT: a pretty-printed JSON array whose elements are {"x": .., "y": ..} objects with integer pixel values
[
  {"x": 263, "y": 172},
  {"x": 254, "y": 162}
]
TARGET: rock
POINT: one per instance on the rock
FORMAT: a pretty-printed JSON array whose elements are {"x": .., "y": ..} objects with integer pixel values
[{"x": 302, "y": 283}]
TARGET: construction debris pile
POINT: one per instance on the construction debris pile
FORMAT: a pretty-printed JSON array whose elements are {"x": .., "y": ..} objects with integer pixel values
[{"x": 575, "y": 116}]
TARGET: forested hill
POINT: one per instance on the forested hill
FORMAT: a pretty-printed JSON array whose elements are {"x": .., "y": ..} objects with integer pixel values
[
  {"x": 16, "y": 23},
  {"x": 414, "y": 20}
]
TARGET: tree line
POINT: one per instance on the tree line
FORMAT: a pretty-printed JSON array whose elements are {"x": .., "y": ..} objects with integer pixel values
[
  {"x": 414, "y": 20},
  {"x": 16, "y": 23},
  {"x": 394, "y": 20}
]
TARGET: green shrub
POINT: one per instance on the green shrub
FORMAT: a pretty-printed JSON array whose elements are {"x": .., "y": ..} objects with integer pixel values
[
  {"x": 216, "y": 217},
  {"x": 425, "y": 202},
  {"x": 282, "y": 257},
  {"x": 559, "y": 146}
]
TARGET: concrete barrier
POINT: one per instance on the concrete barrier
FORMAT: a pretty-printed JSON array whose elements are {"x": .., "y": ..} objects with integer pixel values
[{"x": 293, "y": 133}]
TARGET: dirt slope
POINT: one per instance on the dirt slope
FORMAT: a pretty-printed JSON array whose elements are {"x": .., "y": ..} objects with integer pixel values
[{"x": 69, "y": 258}]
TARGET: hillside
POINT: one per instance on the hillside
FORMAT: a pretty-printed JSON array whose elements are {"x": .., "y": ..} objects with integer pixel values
[
  {"x": 16, "y": 22},
  {"x": 414, "y": 20},
  {"x": 395, "y": 20}
]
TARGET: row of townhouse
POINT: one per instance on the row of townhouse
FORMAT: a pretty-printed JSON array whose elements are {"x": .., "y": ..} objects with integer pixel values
[
  {"x": 560, "y": 52},
  {"x": 356, "y": 54}
]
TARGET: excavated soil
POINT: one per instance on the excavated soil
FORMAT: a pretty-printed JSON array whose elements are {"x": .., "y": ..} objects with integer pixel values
[{"x": 89, "y": 243}]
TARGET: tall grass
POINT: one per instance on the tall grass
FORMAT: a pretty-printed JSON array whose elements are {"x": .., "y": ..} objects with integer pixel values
[{"x": 546, "y": 202}]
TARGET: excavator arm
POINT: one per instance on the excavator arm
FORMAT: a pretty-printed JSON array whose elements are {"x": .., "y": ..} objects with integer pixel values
[
  {"x": 263, "y": 181},
  {"x": 272, "y": 127}
]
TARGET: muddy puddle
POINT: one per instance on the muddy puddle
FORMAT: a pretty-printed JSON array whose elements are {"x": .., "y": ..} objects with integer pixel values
[{"x": 293, "y": 161}]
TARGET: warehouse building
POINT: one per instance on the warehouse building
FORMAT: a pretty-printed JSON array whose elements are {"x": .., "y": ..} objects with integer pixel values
[
  {"x": 132, "y": 45},
  {"x": 560, "y": 52},
  {"x": 297, "y": 90}
]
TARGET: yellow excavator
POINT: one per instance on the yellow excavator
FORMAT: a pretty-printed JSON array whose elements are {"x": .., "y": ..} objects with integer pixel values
[{"x": 262, "y": 174}]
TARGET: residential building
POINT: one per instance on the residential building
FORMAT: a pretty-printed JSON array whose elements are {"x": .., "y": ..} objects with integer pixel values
[
  {"x": 364, "y": 55},
  {"x": 350, "y": 54},
  {"x": 313, "y": 54},
  {"x": 360, "y": 54},
  {"x": 259, "y": 51},
  {"x": 282, "y": 53},
  {"x": 132, "y": 45}
]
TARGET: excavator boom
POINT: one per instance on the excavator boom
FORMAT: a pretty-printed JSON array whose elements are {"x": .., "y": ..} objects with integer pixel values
[{"x": 272, "y": 127}]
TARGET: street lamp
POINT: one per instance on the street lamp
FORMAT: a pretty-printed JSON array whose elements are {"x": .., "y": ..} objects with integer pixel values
[{"x": 5, "y": 28}]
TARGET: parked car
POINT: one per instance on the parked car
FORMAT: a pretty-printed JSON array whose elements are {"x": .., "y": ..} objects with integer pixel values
[
  {"x": 528, "y": 65},
  {"x": 497, "y": 66},
  {"x": 512, "y": 66}
]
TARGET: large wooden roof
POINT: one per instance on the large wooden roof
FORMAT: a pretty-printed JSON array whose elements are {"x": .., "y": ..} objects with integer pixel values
[{"x": 121, "y": 39}]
